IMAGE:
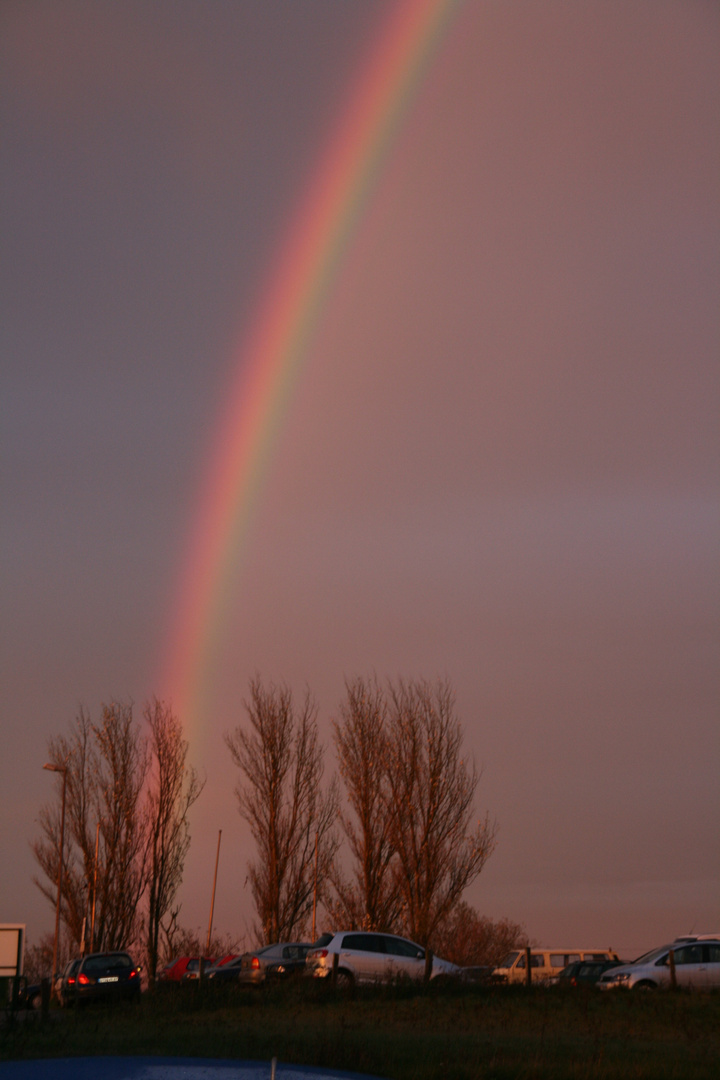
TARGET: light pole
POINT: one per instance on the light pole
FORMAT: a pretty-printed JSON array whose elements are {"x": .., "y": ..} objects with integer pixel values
[{"x": 61, "y": 769}]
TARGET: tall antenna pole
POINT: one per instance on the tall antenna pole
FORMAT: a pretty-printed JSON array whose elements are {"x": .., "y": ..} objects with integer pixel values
[{"x": 212, "y": 904}]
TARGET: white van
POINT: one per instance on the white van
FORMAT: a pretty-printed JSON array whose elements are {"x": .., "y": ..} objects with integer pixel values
[{"x": 545, "y": 964}]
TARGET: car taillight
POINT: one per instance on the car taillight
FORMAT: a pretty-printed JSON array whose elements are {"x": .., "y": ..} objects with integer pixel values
[
  {"x": 255, "y": 963},
  {"x": 71, "y": 980},
  {"x": 82, "y": 979},
  {"x": 317, "y": 954},
  {"x": 134, "y": 973}
]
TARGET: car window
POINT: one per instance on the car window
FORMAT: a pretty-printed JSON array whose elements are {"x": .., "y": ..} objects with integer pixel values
[
  {"x": 398, "y": 947},
  {"x": 713, "y": 954},
  {"x": 536, "y": 960},
  {"x": 509, "y": 960},
  {"x": 689, "y": 954},
  {"x": 561, "y": 960},
  {"x": 94, "y": 964},
  {"x": 355, "y": 942},
  {"x": 364, "y": 943}
]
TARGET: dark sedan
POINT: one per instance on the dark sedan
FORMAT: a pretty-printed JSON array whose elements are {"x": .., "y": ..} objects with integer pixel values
[
  {"x": 585, "y": 972},
  {"x": 106, "y": 977}
]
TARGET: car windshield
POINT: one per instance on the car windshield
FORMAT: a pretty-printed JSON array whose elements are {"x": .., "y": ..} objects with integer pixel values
[
  {"x": 654, "y": 954},
  {"x": 509, "y": 960},
  {"x": 115, "y": 962}
]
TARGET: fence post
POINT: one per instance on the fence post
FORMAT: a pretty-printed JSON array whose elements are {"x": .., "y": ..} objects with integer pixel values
[
  {"x": 428, "y": 966},
  {"x": 45, "y": 998},
  {"x": 673, "y": 974},
  {"x": 528, "y": 969},
  {"x": 333, "y": 976}
]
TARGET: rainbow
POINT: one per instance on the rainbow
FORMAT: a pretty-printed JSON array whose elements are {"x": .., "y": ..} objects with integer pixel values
[{"x": 268, "y": 362}]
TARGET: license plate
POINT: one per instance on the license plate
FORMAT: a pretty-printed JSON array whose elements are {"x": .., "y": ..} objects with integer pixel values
[{"x": 109, "y": 978}]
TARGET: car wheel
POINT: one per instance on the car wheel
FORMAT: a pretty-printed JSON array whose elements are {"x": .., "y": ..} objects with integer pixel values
[
  {"x": 646, "y": 984},
  {"x": 35, "y": 1002},
  {"x": 344, "y": 979}
]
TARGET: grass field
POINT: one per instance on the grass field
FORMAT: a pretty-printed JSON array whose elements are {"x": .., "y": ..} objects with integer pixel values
[{"x": 402, "y": 1033}]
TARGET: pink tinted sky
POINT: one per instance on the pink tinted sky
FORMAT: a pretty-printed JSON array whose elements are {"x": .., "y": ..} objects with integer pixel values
[{"x": 499, "y": 465}]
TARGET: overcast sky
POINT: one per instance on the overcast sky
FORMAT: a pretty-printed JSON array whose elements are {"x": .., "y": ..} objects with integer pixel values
[{"x": 500, "y": 461}]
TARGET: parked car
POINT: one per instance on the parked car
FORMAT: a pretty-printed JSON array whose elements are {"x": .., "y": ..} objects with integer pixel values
[
  {"x": 364, "y": 956},
  {"x": 696, "y": 960},
  {"x": 108, "y": 976},
  {"x": 228, "y": 958},
  {"x": 225, "y": 972},
  {"x": 174, "y": 971},
  {"x": 477, "y": 973},
  {"x": 279, "y": 961},
  {"x": 31, "y": 995},
  {"x": 65, "y": 984},
  {"x": 192, "y": 972},
  {"x": 545, "y": 964},
  {"x": 585, "y": 972}
]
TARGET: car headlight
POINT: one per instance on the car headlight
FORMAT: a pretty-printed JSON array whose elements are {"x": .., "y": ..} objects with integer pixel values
[{"x": 621, "y": 977}]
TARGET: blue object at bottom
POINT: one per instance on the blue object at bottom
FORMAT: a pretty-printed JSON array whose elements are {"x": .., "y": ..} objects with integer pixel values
[{"x": 164, "y": 1068}]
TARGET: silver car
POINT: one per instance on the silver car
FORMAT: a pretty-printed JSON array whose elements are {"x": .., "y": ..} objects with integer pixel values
[
  {"x": 696, "y": 960},
  {"x": 271, "y": 962},
  {"x": 365, "y": 956}
]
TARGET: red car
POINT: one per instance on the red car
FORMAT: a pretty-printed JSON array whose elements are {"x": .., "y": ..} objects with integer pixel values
[{"x": 174, "y": 971}]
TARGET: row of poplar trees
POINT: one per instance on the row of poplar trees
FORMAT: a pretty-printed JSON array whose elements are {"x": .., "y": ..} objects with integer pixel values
[{"x": 404, "y": 804}]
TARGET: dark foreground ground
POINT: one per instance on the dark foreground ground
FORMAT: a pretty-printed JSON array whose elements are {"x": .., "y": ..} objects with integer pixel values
[{"x": 401, "y": 1033}]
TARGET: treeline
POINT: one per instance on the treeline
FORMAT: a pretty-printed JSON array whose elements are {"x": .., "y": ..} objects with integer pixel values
[{"x": 403, "y": 805}]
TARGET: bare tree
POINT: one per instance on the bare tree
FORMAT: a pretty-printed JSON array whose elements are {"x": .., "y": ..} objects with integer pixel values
[
  {"x": 280, "y": 797},
  {"x": 370, "y": 900},
  {"x": 472, "y": 940},
  {"x": 431, "y": 792},
  {"x": 106, "y": 765},
  {"x": 117, "y": 784},
  {"x": 122, "y": 836},
  {"x": 174, "y": 787},
  {"x": 75, "y": 753}
]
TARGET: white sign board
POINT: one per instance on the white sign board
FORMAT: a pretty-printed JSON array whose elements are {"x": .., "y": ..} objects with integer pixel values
[{"x": 12, "y": 948}]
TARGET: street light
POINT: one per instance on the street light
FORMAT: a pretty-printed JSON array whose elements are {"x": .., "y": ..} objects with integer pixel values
[{"x": 61, "y": 769}]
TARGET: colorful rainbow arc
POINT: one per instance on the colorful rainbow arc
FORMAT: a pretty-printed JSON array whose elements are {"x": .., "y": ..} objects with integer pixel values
[{"x": 268, "y": 363}]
